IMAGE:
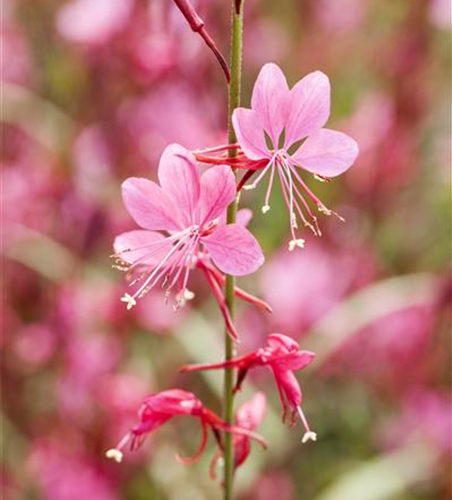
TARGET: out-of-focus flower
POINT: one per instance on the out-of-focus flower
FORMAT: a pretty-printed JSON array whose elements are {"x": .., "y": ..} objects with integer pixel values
[
  {"x": 68, "y": 476},
  {"x": 385, "y": 351},
  {"x": 158, "y": 408},
  {"x": 93, "y": 23},
  {"x": 283, "y": 356},
  {"x": 321, "y": 278},
  {"x": 188, "y": 207},
  {"x": 151, "y": 123},
  {"x": 440, "y": 12},
  {"x": 35, "y": 344},
  {"x": 426, "y": 414},
  {"x": 270, "y": 133},
  {"x": 340, "y": 17},
  {"x": 271, "y": 485},
  {"x": 15, "y": 65}
]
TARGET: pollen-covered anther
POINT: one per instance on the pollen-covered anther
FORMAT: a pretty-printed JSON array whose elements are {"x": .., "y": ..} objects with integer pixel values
[
  {"x": 129, "y": 300},
  {"x": 296, "y": 243},
  {"x": 114, "y": 454},
  {"x": 309, "y": 436},
  {"x": 265, "y": 209},
  {"x": 188, "y": 294}
]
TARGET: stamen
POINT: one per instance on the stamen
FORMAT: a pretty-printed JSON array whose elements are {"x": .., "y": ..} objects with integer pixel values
[
  {"x": 115, "y": 455},
  {"x": 296, "y": 243},
  {"x": 265, "y": 209},
  {"x": 129, "y": 300},
  {"x": 308, "y": 435}
]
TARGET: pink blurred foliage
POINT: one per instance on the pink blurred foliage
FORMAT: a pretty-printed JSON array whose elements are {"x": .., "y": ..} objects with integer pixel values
[
  {"x": 67, "y": 474},
  {"x": 303, "y": 288}
]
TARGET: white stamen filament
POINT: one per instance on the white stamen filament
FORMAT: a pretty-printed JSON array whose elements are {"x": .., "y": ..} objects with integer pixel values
[{"x": 308, "y": 435}]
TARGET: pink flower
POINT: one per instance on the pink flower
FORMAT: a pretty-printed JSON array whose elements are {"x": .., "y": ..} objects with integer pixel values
[
  {"x": 283, "y": 356},
  {"x": 248, "y": 416},
  {"x": 270, "y": 133},
  {"x": 189, "y": 209},
  {"x": 161, "y": 407}
]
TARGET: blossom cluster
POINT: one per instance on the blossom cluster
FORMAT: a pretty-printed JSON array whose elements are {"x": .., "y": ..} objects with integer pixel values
[{"x": 183, "y": 226}]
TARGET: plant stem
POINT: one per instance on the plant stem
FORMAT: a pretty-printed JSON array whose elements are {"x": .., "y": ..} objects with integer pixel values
[{"x": 234, "y": 102}]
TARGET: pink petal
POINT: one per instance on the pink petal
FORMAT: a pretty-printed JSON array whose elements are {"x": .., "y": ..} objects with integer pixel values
[
  {"x": 250, "y": 134},
  {"x": 327, "y": 152},
  {"x": 179, "y": 179},
  {"x": 309, "y": 107},
  {"x": 234, "y": 250},
  {"x": 243, "y": 217},
  {"x": 148, "y": 246},
  {"x": 296, "y": 361},
  {"x": 217, "y": 192},
  {"x": 148, "y": 205},
  {"x": 277, "y": 340},
  {"x": 270, "y": 100},
  {"x": 290, "y": 386}
]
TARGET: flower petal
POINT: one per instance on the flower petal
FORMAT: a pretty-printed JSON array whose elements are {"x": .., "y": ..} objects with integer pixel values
[
  {"x": 217, "y": 192},
  {"x": 270, "y": 100},
  {"x": 250, "y": 134},
  {"x": 142, "y": 245},
  {"x": 327, "y": 152},
  {"x": 295, "y": 361},
  {"x": 309, "y": 107},
  {"x": 234, "y": 250},
  {"x": 179, "y": 178},
  {"x": 288, "y": 383},
  {"x": 148, "y": 205}
]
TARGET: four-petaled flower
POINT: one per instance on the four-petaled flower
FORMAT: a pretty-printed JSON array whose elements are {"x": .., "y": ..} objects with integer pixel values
[
  {"x": 189, "y": 208},
  {"x": 283, "y": 356},
  {"x": 270, "y": 133},
  {"x": 158, "y": 408}
]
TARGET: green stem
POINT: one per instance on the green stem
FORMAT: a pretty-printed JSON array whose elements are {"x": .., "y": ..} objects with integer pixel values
[{"x": 234, "y": 102}]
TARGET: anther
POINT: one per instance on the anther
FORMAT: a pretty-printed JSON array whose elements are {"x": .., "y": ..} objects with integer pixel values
[
  {"x": 129, "y": 300},
  {"x": 296, "y": 243},
  {"x": 265, "y": 209},
  {"x": 114, "y": 454},
  {"x": 309, "y": 436}
]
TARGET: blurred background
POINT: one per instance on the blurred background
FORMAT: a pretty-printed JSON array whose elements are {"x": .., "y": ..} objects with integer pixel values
[{"x": 92, "y": 93}]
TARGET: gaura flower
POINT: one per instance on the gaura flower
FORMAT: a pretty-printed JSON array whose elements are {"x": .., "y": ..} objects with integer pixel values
[
  {"x": 189, "y": 209},
  {"x": 161, "y": 407},
  {"x": 248, "y": 416},
  {"x": 283, "y": 356},
  {"x": 270, "y": 135}
]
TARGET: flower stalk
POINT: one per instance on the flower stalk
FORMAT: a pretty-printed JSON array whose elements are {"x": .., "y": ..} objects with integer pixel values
[{"x": 233, "y": 103}]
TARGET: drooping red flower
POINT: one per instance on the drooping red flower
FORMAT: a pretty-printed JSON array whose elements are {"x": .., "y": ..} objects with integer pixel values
[
  {"x": 160, "y": 407},
  {"x": 283, "y": 356},
  {"x": 248, "y": 416}
]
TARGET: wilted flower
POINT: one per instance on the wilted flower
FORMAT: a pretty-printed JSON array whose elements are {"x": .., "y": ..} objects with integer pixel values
[
  {"x": 161, "y": 407},
  {"x": 283, "y": 356}
]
